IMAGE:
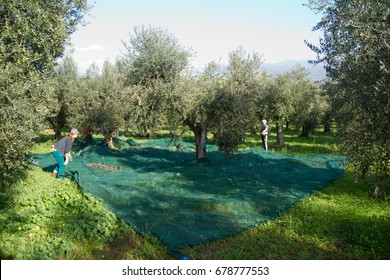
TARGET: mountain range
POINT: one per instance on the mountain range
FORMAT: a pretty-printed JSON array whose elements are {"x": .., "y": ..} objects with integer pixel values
[{"x": 316, "y": 72}]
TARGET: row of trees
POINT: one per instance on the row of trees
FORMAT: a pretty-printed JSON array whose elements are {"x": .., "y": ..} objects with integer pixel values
[{"x": 148, "y": 89}]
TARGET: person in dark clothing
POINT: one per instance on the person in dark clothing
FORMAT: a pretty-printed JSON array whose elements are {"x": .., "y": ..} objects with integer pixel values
[
  {"x": 61, "y": 152},
  {"x": 88, "y": 135}
]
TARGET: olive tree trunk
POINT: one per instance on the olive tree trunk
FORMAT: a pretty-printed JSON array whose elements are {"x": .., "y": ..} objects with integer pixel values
[
  {"x": 200, "y": 134},
  {"x": 279, "y": 134},
  {"x": 108, "y": 141}
]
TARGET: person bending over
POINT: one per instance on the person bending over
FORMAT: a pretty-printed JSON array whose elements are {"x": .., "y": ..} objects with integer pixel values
[{"x": 61, "y": 152}]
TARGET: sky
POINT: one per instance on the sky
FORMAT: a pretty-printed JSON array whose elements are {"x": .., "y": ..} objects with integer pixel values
[{"x": 212, "y": 29}]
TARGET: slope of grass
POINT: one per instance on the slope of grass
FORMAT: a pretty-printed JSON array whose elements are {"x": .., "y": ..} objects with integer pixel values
[{"x": 43, "y": 218}]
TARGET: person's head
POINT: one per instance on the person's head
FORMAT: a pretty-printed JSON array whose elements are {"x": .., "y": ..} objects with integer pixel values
[
  {"x": 74, "y": 133},
  {"x": 264, "y": 121}
]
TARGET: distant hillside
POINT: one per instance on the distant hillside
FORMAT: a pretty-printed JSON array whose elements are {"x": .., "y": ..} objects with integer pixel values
[{"x": 316, "y": 72}]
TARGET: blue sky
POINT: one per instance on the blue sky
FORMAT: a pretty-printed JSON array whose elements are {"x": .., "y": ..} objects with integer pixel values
[{"x": 211, "y": 28}]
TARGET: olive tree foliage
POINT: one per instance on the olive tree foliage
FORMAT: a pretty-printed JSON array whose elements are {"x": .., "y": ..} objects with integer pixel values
[
  {"x": 154, "y": 60},
  {"x": 94, "y": 101},
  {"x": 100, "y": 104},
  {"x": 294, "y": 98},
  {"x": 65, "y": 83},
  {"x": 33, "y": 35},
  {"x": 245, "y": 79},
  {"x": 328, "y": 90},
  {"x": 233, "y": 109},
  {"x": 280, "y": 103},
  {"x": 228, "y": 118},
  {"x": 192, "y": 104},
  {"x": 355, "y": 48},
  {"x": 217, "y": 103},
  {"x": 310, "y": 101},
  {"x": 80, "y": 103},
  {"x": 154, "y": 54},
  {"x": 146, "y": 106},
  {"x": 107, "y": 111}
]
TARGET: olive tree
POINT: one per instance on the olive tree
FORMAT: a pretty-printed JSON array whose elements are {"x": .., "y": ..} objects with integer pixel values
[
  {"x": 154, "y": 60},
  {"x": 355, "y": 48},
  {"x": 194, "y": 97},
  {"x": 33, "y": 35},
  {"x": 101, "y": 104},
  {"x": 233, "y": 109},
  {"x": 220, "y": 104},
  {"x": 65, "y": 82},
  {"x": 280, "y": 103},
  {"x": 310, "y": 102}
]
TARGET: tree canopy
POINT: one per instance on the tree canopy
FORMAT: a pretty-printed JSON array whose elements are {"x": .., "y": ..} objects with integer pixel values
[
  {"x": 154, "y": 60},
  {"x": 33, "y": 34},
  {"x": 154, "y": 54},
  {"x": 355, "y": 48}
]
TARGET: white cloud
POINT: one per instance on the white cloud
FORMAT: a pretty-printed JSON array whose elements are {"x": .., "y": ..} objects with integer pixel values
[{"x": 90, "y": 48}]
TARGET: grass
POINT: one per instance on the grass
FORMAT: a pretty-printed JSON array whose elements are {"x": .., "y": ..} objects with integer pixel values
[
  {"x": 45, "y": 219},
  {"x": 316, "y": 143}
]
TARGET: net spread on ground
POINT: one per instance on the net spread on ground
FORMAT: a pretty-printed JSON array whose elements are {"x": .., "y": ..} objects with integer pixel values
[{"x": 158, "y": 187}]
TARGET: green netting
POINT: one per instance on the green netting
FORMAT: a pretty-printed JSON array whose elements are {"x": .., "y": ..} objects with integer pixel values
[{"x": 158, "y": 187}]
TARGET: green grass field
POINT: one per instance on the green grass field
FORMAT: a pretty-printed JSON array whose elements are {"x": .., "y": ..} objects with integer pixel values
[{"x": 42, "y": 218}]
